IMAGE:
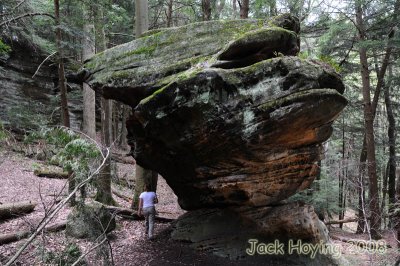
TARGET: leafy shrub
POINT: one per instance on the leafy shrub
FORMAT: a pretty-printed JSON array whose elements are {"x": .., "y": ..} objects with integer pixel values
[
  {"x": 4, "y": 48},
  {"x": 67, "y": 256},
  {"x": 67, "y": 149}
]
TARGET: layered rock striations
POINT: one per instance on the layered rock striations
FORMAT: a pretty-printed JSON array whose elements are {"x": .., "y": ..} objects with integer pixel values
[
  {"x": 28, "y": 93},
  {"x": 229, "y": 116}
]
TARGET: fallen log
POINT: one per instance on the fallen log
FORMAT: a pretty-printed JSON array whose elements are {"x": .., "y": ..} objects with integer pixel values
[
  {"x": 367, "y": 244},
  {"x": 10, "y": 210},
  {"x": 16, "y": 236},
  {"x": 349, "y": 220},
  {"x": 132, "y": 214},
  {"x": 50, "y": 173}
]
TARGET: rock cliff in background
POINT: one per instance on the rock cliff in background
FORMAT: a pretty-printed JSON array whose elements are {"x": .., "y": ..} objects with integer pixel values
[
  {"x": 27, "y": 102},
  {"x": 231, "y": 118}
]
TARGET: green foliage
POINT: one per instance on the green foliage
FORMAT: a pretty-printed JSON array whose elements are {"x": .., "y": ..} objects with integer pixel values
[
  {"x": 67, "y": 256},
  {"x": 29, "y": 116},
  {"x": 76, "y": 157},
  {"x": 4, "y": 48},
  {"x": 330, "y": 61},
  {"x": 72, "y": 152},
  {"x": 4, "y": 135},
  {"x": 323, "y": 194}
]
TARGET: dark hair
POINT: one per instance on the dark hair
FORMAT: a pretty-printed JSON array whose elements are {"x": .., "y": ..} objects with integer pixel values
[{"x": 147, "y": 187}]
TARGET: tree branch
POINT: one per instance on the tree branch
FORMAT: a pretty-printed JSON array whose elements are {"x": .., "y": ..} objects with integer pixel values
[{"x": 26, "y": 15}]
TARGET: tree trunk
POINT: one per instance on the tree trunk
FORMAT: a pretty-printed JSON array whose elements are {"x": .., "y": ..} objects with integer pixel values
[
  {"x": 61, "y": 72},
  {"x": 206, "y": 8},
  {"x": 143, "y": 176},
  {"x": 89, "y": 107},
  {"x": 169, "y": 13},
  {"x": 392, "y": 147},
  {"x": 244, "y": 8},
  {"x": 123, "y": 143},
  {"x": 272, "y": 8},
  {"x": 369, "y": 130},
  {"x": 342, "y": 177},
  {"x": 103, "y": 181},
  {"x": 380, "y": 76},
  {"x": 234, "y": 7}
]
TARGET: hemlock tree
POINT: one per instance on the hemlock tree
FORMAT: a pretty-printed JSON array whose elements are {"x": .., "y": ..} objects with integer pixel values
[
  {"x": 61, "y": 73},
  {"x": 88, "y": 50},
  {"x": 143, "y": 176},
  {"x": 103, "y": 182}
]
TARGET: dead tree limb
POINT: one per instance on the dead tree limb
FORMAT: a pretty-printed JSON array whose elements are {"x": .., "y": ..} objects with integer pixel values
[
  {"x": 132, "y": 214},
  {"x": 14, "y": 209},
  {"x": 51, "y": 173},
  {"x": 26, "y": 15},
  {"x": 16, "y": 236}
]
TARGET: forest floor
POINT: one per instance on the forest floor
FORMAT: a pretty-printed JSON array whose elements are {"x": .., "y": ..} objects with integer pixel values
[{"x": 128, "y": 243}]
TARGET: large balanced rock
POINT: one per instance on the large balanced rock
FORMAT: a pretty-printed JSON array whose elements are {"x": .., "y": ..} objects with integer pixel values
[{"x": 227, "y": 113}]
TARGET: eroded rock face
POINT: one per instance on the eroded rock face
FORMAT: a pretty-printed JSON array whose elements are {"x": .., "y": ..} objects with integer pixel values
[
  {"x": 26, "y": 101},
  {"x": 228, "y": 114}
]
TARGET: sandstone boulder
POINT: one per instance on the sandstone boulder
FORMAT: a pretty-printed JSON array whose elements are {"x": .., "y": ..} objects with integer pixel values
[{"x": 231, "y": 118}]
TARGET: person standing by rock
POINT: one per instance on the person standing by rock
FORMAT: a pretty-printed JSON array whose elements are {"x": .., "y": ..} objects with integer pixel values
[{"x": 146, "y": 207}]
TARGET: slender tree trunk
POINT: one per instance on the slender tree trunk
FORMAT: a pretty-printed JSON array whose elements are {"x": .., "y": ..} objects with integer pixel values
[
  {"x": 61, "y": 72},
  {"x": 219, "y": 8},
  {"x": 206, "y": 8},
  {"x": 89, "y": 107},
  {"x": 142, "y": 175},
  {"x": 123, "y": 143},
  {"x": 169, "y": 13},
  {"x": 380, "y": 75},
  {"x": 369, "y": 130},
  {"x": 272, "y": 8},
  {"x": 234, "y": 7},
  {"x": 244, "y": 8},
  {"x": 146, "y": 177},
  {"x": 392, "y": 147},
  {"x": 342, "y": 177},
  {"x": 103, "y": 181}
]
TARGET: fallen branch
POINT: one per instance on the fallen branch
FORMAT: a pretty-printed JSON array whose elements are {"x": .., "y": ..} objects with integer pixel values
[
  {"x": 349, "y": 220},
  {"x": 37, "y": 70},
  {"x": 10, "y": 210},
  {"x": 49, "y": 173},
  {"x": 26, "y": 15},
  {"x": 16, "y": 236}
]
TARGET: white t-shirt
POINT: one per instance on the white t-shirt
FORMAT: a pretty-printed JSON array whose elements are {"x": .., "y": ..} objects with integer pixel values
[{"x": 148, "y": 198}]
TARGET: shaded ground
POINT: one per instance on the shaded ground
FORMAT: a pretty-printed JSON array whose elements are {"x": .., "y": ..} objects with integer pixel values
[{"x": 128, "y": 243}]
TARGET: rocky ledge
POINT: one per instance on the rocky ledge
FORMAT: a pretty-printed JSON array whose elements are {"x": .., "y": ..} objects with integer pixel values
[{"x": 231, "y": 118}]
